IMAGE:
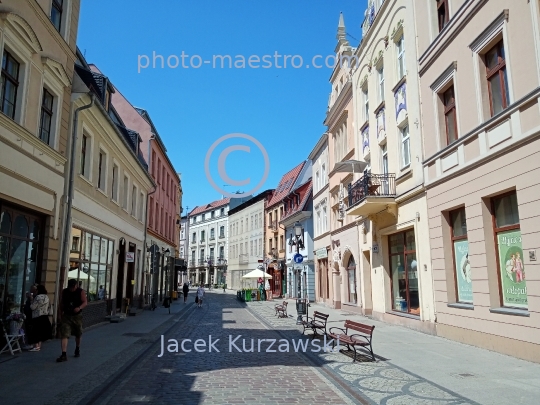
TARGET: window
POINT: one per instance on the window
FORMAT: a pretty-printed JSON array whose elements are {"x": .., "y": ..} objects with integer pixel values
[
  {"x": 154, "y": 164},
  {"x": 211, "y": 253},
  {"x": 366, "y": 103},
  {"x": 325, "y": 226},
  {"x": 56, "y": 13},
  {"x": 510, "y": 258},
  {"x": 442, "y": 13},
  {"x": 222, "y": 252},
  {"x": 462, "y": 266},
  {"x": 401, "y": 57},
  {"x": 114, "y": 189},
  {"x": 497, "y": 79},
  {"x": 384, "y": 159},
  {"x": 323, "y": 174},
  {"x": 450, "y": 117},
  {"x": 166, "y": 185},
  {"x": 134, "y": 201},
  {"x": 125, "y": 193},
  {"x": 221, "y": 231},
  {"x": 281, "y": 242},
  {"x": 157, "y": 218},
  {"x": 202, "y": 216},
  {"x": 194, "y": 237},
  {"x": 10, "y": 84},
  {"x": 251, "y": 248},
  {"x": 212, "y": 235},
  {"x": 151, "y": 216},
  {"x": 84, "y": 161},
  {"x": 280, "y": 212},
  {"x": 404, "y": 272},
  {"x": 91, "y": 263},
  {"x": 318, "y": 226},
  {"x": 159, "y": 171},
  {"x": 317, "y": 181},
  {"x": 222, "y": 213},
  {"x": 380, "y": 74},
  {"x": 405, "y": 148},
  {"x": 46, "y": 117},
  {"x": 260, "y": 248},
  {"x": 202, "y": 235},
  {"x": 102, "y": 170}
]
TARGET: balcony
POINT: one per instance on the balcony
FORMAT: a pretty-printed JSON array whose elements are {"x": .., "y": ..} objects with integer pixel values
[
  {"x": 371, "y": 194},
  {"x": 212, "y": 237},
  {"x": 201, "y": 242},
  {"x": 273, "y": 225},
  {"x": 192, "y": 263},
  {"x": 243, "y": 258},
  {"x": 221, "y": 235},
  {"x": 210, "y": 260},
  {"x": 273, "y": 253}
]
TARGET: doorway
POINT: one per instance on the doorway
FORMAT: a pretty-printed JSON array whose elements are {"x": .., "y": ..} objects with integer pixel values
[
  {"x": 120, "y": 274},
  {"x": 130, "y": 274}
]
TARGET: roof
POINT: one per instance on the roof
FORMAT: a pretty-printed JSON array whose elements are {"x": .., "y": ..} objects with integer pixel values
[
  {"x": 285, "y": 185},
  {"x": 261, "y": 196},
  {"x": 212, "y": 205},
  {"x": 305, "y": 192}
]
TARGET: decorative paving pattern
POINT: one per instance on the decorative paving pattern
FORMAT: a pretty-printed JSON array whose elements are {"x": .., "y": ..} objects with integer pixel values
[{"x": 381, "y": 382}]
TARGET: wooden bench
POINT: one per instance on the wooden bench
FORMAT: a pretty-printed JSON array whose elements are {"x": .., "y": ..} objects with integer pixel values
[
  {"x": 281, "y": 310},
  {"x": 315, "y": 323},
  {"x": 350, "y": 339}
]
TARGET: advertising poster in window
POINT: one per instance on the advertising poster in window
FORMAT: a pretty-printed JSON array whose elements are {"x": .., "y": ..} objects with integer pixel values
[
  {"x": 463, "y": 271},
  {"x": 514, "y": 287}
]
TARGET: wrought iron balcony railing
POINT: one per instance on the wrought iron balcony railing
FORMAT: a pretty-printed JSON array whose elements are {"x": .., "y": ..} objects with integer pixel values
[{"x": 372, "y": 185}]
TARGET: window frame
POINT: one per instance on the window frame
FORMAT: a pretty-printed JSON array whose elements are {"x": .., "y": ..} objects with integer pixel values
[
  {"x": 453, "y": 239},
  {"x": 400, "y": 53},
  {"x": 57, "y": 5},
  {"x": 381, "y": 84},
  {"x": 402, "y": 149},
  {"x": 500, "y": 70},
  {"x": 496, "y": 231},
  {"x": 46, "y": 111},
  {"x": 445, "y": 16},
  {"x": 15, "y": 81},
  {"x": 447, "y": 109}
]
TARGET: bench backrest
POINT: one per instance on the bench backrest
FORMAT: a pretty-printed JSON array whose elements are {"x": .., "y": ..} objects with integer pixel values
[
  {"x": 359, "y": 327},
  {"x": 285, "y": 303},
  {"x": 320, "y": 315}
]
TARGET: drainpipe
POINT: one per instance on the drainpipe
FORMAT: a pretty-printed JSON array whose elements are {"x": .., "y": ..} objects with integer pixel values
[
  {"x": 60, "y": 276},
  {"x": 147, "y": 209}
]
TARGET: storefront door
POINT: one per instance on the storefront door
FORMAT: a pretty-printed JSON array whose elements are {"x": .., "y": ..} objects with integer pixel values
[
  {"x": 277, "y": 283},
  {"x": 20, "y": 251},
  {"x": 404, "y": 273}
]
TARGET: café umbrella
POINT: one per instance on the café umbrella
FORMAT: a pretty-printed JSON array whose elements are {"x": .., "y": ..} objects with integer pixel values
[{"x": 257, "y": 273}]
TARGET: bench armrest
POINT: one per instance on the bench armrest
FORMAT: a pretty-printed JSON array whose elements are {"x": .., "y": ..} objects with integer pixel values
[
  {"x": 334, "y": 327},
  {"x": 366, "y": 337}
]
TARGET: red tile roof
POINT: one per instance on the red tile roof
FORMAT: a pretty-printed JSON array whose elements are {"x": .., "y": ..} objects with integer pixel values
[
  {"x": 285, "y": 185},
  {"x": 212, "y": 205},
  {"x": 305, "y": 192}
]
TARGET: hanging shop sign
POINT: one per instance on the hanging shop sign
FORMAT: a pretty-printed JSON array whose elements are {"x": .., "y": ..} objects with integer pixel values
[{"x": 321, "y": 253}]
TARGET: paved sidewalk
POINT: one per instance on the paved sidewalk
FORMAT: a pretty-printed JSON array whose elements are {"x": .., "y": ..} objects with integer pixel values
[
  {"x": 440, "y": 370},
  {"x": 35, "y": 377}
]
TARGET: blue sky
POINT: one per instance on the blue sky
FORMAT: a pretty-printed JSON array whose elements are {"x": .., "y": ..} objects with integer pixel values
[{"x": 283, "y": 108}]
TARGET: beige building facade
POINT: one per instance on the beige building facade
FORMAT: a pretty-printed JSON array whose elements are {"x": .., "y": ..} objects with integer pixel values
[
  {"x": 109, "y": 205},
  {"x": 38, "y": 45},
  {"x": 479, "y": 66},
  {"x": 388, "y": 200}
]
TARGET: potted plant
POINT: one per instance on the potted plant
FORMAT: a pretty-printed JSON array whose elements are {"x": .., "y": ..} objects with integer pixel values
[{"x": 15, "y": 320}]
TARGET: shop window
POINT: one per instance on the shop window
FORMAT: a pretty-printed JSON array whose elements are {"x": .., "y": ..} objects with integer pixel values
[
  {"x": 507, "y": 231},
  {"x": 462, "y": 265},
  {"x": 497, "y": 78},
  {"x": 90, "y": 263},
  {"x": 20, "y": 249},
  {"x": 351, "y": 273},
  {"x": 404, "y": 273}
]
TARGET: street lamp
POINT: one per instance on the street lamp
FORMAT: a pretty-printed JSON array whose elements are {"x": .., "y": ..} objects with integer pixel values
[{"x": 298, "y": 241}]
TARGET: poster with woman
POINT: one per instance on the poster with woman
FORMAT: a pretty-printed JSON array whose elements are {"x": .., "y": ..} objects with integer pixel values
[
  {"x": 463, "y": 271},
  {"x": 514, "y": 286}
]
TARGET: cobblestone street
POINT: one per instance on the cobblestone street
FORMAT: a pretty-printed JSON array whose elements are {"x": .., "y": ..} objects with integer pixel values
[{"x": 124, "y": 363}]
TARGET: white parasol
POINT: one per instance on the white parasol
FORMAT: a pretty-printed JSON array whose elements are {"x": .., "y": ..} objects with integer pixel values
[{"x": 257, "y": 273}]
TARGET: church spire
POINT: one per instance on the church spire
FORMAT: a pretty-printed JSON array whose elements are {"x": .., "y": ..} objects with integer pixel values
[{"x": 341, "y": 34}]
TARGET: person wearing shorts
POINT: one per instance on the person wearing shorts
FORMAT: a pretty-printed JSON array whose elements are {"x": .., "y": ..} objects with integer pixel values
[{"x": 72, "y": 304}]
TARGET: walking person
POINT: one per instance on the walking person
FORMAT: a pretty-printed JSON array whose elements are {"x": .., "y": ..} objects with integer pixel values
[
  {"x": 72, "y": 303},
  {"x": 268, "y": 292},
  {"x": 41, "y": 324},
  {"x": 200, "y": 296},
  {"x": 185, "y": 290}
]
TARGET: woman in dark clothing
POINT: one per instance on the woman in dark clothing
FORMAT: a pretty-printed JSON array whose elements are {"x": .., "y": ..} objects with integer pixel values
[
  {"x": 41, "y": 325},
  {"x": 185, "y": 290}
]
